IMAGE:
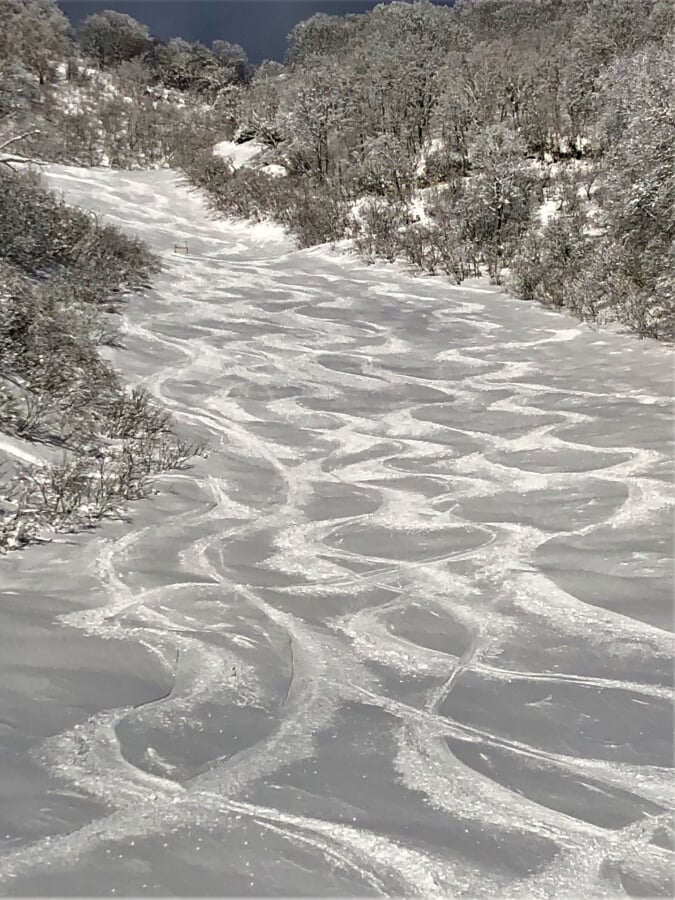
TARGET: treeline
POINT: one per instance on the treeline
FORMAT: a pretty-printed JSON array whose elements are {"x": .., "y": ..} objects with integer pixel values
[
  {"x": 109, "y": 93},
  {"x": 530, "y": 139},
  {"x": 37, "y": 38}
]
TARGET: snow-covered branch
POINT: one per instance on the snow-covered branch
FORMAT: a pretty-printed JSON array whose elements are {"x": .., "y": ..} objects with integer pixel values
[{"x": 10, "y": 160}]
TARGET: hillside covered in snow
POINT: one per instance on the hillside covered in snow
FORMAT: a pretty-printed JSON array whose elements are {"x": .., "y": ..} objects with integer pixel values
[
  {"x": 318, "y": 575},
  {"x": 404, "y": 631}
]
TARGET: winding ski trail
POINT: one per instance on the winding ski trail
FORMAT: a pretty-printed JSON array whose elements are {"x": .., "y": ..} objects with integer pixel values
[{"x": 406, "y": 631}]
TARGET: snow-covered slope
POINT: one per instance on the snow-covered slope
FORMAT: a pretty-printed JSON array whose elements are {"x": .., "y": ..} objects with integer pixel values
[{"x": 404, "y": 632}]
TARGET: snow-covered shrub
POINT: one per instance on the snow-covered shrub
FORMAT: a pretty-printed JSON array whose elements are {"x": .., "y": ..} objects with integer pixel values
[
  {"x": 548, "y": 260},
  {"x": 18, "y": 89},
  {"x": 312, "y": 209},
  {"x": 380, "y": 228},
  {"x": 9, "y": 408},
  {"x": 83, "y": 488},
  {"x": 315, "y": 213},
  {"x": 35, "y": 34},
  {"x": 59, "y": 268},
  {"x": 46, "y": 347},
  {"x": 41, "y": 235},
  {"x": 385, "y": 169}
]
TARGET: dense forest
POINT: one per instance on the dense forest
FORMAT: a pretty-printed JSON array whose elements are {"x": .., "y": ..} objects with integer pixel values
[{"x": 530, "y": 141}]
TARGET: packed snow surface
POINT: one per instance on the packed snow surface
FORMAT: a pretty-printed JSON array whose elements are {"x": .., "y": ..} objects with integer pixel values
[{"x": 406, "y": 631}]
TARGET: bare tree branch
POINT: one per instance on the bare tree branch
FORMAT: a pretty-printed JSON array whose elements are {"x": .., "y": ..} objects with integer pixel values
[
  {"x": 10, "y": 161},
  {"x": 19, "y": 137}
]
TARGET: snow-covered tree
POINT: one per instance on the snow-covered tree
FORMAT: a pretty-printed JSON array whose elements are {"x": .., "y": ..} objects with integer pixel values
[
  {"x": 317, "y": 112},
  {"x": 34, "y": 32},
  {"x": 111, "y": 37},
  {"x": 258, "y": 109},
  {"x": 232, "y": 61}
]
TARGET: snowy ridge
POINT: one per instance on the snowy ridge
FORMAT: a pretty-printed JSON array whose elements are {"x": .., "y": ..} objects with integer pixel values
[{"x": 405, "y": 632}]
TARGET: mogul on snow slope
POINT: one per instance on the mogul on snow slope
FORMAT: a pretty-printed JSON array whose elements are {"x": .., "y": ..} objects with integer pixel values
[{"x": 405, "y": 631}]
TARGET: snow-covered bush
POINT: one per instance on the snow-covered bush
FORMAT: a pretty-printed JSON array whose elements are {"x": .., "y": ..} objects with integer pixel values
[
  {"x": 81, "y": 489},
  {"x": 379, "y": 231},
  {"x": 59, "y": 270},
  {"x": 41, "y": 235},
  {"x": 315, "y": 213}
]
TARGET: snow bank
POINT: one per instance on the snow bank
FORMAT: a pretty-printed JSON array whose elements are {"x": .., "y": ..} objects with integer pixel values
[
  {"x": 238, "y": 154},
  {"x": 15, "y": 448},
  {"x": 275, "y": 170},
  {"x": 548, "y": 210}
]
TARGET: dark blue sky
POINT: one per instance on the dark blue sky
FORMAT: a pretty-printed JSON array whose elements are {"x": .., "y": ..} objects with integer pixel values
[{"x": 260, "y": 26}]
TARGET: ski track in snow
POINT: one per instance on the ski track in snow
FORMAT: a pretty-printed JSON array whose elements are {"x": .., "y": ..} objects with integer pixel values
[{"x": 408, "y": 626}]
